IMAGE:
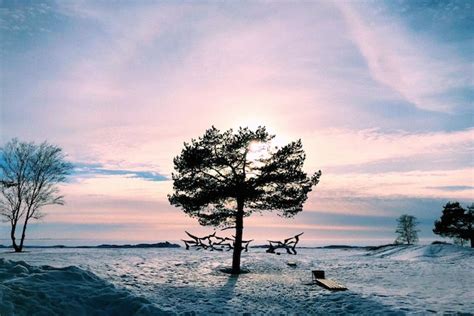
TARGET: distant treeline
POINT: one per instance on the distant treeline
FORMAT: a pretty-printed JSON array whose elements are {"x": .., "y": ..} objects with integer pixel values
[{"x": 107, "y": 246}]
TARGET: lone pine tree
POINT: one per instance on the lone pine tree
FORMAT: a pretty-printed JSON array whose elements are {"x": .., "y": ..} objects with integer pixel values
[
  {"x": 456, "y": 222},
  {"x": 223, "y": 177}
]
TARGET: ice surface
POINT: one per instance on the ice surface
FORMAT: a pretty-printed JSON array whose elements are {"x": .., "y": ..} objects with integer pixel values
[{"x": 394, "y": 280}]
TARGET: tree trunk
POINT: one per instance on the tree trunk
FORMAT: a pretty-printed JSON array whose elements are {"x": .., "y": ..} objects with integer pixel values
[
  {"x": 23, "y": 233},
  {"x": 12, "y": 236},
  {"x": 239, "y": 227}
]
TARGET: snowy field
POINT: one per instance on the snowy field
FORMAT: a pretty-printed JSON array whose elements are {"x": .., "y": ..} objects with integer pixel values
[{"x": 389, "y": 281}]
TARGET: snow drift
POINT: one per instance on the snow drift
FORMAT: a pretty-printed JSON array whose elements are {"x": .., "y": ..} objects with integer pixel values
[
  {"x": 28, "y": 290},
  {"x": 426, "y": 252}
]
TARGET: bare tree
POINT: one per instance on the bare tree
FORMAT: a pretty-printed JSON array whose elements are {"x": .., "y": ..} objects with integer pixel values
[
  {"x": 29, "y": 174},
  {"x": 406, "y": 230}
]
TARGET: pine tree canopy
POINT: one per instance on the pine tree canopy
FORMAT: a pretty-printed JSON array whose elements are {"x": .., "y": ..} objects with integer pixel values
[
  {"x": 456, "y": 221},
  {"x": 220, "y": 172}
]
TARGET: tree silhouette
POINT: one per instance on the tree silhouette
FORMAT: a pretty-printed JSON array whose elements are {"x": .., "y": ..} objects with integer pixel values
[
  {"x": 456, "y": 222},
  {"x": 28, "y": 177},
  {"x": 406, "y": 230},
  {"x": 223, "y": 177}
]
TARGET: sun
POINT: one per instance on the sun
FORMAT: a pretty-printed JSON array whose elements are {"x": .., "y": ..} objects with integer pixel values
[{"x": 257, "y": 151}]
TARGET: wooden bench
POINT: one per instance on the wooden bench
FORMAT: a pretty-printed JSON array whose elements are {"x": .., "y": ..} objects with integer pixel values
[{"x": 319, "y": 279}]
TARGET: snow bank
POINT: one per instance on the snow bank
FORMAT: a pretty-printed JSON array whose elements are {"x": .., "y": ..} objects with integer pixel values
[
  {"x": 426, "y": 252},
  {"x": 28, "y": 290}
]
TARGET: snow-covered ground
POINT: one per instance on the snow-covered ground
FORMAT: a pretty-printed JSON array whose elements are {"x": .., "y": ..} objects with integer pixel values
[{"x": 391, "y": 280}]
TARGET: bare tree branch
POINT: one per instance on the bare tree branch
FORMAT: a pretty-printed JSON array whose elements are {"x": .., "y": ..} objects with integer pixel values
[
  {"x": 289, "y": 244},
  {"x": 213, "y": 243}
]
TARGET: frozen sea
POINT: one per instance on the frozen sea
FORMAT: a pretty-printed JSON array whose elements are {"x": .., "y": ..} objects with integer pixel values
[{"x": 390, "y": 281}]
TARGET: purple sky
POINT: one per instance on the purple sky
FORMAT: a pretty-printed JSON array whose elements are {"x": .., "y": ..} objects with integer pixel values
[{"x": 380, "y": 94}]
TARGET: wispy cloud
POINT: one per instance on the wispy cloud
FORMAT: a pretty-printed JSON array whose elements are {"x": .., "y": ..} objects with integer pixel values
[
  {"x": 454, "y": 188},
  {"x": 420, "y": 70},
  {"x": 407, "y": 184},
  {"x": 337, "y": 147},
  {"x": 91, "y": 169}
]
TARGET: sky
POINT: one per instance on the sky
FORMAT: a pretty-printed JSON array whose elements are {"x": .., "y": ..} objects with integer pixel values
[{"x": 380, "y": 93}]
